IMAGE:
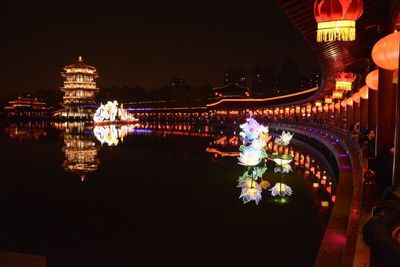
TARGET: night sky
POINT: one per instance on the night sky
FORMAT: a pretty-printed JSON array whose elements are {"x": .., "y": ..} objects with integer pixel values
[{"x": 143, "y": 42}]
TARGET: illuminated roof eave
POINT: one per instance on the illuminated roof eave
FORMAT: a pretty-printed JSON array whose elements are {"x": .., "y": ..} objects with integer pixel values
[{"x": 314, "y": 89}]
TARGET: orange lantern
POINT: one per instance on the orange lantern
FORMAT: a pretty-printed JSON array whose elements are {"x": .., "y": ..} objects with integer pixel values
[
  {"x": 385, "y": 52},
  {"x": 328, "y": 100},
  {"x": 356, "y": 98},
  {"x": 364, "y": 92},
  {"x": 350, "y": 101},
  {"x": 372, "y": 79},
  {"x": 314, "y": 109},
  {"x": 337, "y": 19},
  {"x": 326, "y": 107},
  {"x": 297, "y": 109},
  {"x": 344, "y": 103},
  {"x": 344, "y": 80},
  {"x": 332, "y": 107},
  {"x": 337, "y": 105}
]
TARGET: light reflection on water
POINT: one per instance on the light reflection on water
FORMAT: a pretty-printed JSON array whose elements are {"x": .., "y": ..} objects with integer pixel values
[{"x": 83, "y": 144}]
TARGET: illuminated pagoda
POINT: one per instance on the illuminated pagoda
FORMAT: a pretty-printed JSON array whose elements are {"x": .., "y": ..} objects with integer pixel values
[
  {"x": 26, "y": 107},
  {"x": 80, "y": 90},
  {"x": 232, "y": 90}
]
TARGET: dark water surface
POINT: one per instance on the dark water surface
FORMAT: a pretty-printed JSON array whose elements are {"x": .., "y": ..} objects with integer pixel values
[{"x": 156, "y": 199}]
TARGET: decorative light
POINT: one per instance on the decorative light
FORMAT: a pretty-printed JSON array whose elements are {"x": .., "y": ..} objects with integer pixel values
[
  {"x": 364, "y": 92},
  {"x": 284, "y": 139},
  {"x": 350, "y": 101},
  {"x": 337, "y": 105},
  {"x": 324, "y": 204},
  {"x": 251, "y": 191},
  {"x": 110, "y": 112},
  {"x": 344, "y": 80},
  {"x": 337, "y": 19},
  {"x": 281, "y": 189},
  {"x": 318, "y": 103},
  {"x": 337, "y": 94},
  {"x": 328, "y": 100},
  {"x": 356, "y": 98},
  {"x": 372, "y": 79},
  {"x": 344, "y": 103},
  {"x": 385, "y": 52}
]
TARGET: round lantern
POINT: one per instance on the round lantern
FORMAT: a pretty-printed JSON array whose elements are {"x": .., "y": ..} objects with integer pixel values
[
  {"x": 350, "y": 101},
  {"x": 386, "y": 51},
  {"x": 343, "y": 103},
  {"x": 337, "y": 19},
  {"x": 356, "y": 98},
  {"x": 364, "y": 92},
  {"x": 337, "y": 105},
  {"x": 372, "y": 79},
  {"x": 326, "y": 107},
  {"x": 332, "y": 107}
]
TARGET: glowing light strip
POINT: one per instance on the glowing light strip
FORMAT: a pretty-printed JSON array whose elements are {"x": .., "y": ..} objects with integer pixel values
[
  {"x": 222, "y": 154},
  {"x": 263, "y": 99}
]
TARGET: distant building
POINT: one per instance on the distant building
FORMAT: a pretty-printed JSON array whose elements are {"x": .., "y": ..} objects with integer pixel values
[
  {"x": 232, "y": 90},
  {"x": 79, "y": 90},
  {"x": 26, "y": 107}
]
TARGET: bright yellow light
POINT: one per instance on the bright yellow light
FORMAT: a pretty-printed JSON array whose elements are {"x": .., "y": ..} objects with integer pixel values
[{"x": 336, "y": 30}]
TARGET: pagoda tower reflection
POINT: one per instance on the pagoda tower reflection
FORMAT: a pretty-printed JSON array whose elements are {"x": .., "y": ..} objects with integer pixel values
[{"x": 80, "y": 149}]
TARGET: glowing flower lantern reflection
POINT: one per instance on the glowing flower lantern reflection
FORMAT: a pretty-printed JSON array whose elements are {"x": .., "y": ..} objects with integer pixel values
[
  {"x": 344, "y": 80},
  {"x": 385, "y": 52},
  {"x": 364, "y": 92},
  {"x": 337, "y": 19},
  {"x": 281, "y": 189},
  {"x": 372, "y": 79}
]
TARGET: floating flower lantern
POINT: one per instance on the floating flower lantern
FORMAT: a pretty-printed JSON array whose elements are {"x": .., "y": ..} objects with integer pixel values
[
  {"x": 111, "y": 113},
  {"x": 284, "y": 139},
  {"x": 385, "y": 52},
  {"x": 251, "y": 191},
  {"x": 344, "y": 80},
  {"x": 250, "y": 157},
  {"x": 281, "y": 189},
  {"x": 337, "y": 19}
]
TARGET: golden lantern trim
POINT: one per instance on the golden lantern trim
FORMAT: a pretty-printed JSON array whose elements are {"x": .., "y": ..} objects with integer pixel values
[
  {"x": 344, "y": 80},
  {"x": 337, "y": 94},
  {"x": 337, "y": 30},
  {"x": 328, "y": 100}
]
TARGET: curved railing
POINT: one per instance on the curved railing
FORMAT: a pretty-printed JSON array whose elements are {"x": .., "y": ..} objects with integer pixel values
[{"x": 338, "y": 244}]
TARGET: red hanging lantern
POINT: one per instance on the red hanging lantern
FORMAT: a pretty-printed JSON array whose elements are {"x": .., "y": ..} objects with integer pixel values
[
  {"x": 337, "y": 19},
  {"x": 372, "y": 79},
  {"x": 364, "y": 92},
  {"x": 386, "y": 51},
  {"x": 356, "y": 98},
  {"x": 344, "y": 80}
]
